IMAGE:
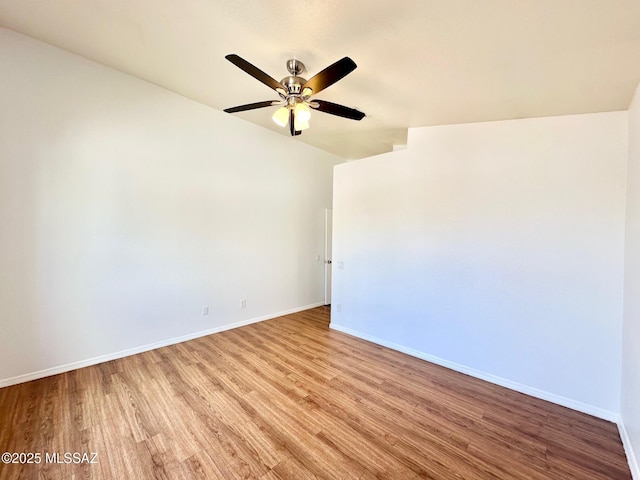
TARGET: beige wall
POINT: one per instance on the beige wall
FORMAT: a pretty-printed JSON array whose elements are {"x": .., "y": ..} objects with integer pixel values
[
  {"x": 124, "y": 209},
  {"x": 493, "y": 248},
  {"x": 630, "y": 404}
]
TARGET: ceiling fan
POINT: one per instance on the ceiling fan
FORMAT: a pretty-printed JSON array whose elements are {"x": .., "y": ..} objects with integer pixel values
[{"x": 295, "y": 93}]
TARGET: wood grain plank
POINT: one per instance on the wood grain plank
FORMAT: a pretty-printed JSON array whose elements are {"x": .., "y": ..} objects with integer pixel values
[{"x": 290, "y": 398}]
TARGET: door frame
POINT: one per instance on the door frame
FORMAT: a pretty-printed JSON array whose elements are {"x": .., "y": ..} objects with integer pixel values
[{"x": 328, "y": 246}]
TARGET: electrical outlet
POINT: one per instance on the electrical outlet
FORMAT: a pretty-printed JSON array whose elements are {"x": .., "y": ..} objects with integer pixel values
[
  {"x": 205, "y": 310},
  {"x": 338, "y": 307},
  {"x": 243, "y": 303},
  {"x": 340, "y": 265}
]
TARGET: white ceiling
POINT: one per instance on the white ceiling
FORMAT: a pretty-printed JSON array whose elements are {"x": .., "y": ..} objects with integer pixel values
[{"x": 420, "y": 63}]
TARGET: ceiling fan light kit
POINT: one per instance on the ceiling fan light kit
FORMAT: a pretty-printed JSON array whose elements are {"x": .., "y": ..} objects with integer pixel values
[
  {"x": 295, "y": 93},
  {"x": 281, "y": 116}
]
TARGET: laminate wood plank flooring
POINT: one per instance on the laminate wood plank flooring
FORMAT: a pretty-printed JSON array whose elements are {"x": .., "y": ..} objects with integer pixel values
[{"x": 289, "y": 398}]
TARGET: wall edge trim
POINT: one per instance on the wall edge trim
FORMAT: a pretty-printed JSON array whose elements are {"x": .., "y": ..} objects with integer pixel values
[
  {"x": 27, "y": 377},
  {"x": 503, "y": 382},
  {"x": 628, "y": 450}
]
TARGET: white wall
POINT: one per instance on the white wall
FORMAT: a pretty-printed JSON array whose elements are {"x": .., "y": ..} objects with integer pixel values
[
  {"x": 495, "y": 249},
  {"x": 125, "y": 208},
  {"x": 630, "y": 404}
]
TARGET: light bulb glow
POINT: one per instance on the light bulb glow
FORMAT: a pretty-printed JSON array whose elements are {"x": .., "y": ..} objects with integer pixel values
[
  {"x": 300, "y": 125},
  {"x": 281, "y": 116},
  {"x": 303, "y": 112}
]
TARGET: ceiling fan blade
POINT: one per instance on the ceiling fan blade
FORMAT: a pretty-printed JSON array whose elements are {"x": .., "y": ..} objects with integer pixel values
[
  {"x": 336, "y": 109},
  {"x": 291, "y": 120},
  {"x": 256, "y": 73},
  {"x": 330, "y": 75},
  {"x": 251, "y": 106}
]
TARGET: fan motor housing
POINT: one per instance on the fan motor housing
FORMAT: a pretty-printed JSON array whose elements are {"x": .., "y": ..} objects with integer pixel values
[{"x": 293, "y": 84}]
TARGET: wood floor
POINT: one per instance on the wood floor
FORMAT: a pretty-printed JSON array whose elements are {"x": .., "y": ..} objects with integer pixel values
[{"x": 291, "y": 399}]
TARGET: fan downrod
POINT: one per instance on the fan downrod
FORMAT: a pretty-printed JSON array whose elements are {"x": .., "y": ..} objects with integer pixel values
[
  {"x": 295, "y": 67},
  {"x": 294, "y": 82}
]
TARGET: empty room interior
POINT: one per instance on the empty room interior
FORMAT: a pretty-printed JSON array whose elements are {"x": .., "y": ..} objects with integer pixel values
[{"x": 323, "y": 240}]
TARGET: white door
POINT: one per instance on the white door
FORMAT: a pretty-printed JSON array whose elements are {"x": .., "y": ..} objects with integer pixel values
[{"x": 328, "y": 222}]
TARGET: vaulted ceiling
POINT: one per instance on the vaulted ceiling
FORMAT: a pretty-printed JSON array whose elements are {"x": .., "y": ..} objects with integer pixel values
[{"x": 420, "y": 62}]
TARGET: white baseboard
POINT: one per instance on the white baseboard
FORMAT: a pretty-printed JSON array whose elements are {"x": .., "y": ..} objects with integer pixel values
[
  {"x": 628, "y": 449},
  {"x": 518, "y": 387},
  {"x": 27, "y": 377}
]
